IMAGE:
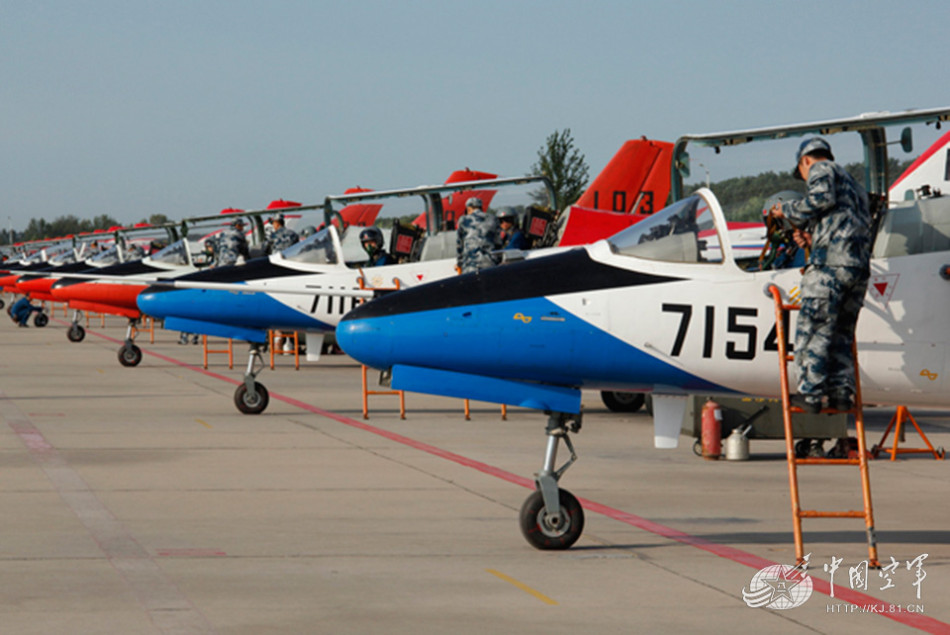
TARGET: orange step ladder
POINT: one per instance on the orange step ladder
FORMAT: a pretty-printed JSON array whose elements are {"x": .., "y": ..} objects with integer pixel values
[
  {"x": 794, "y": 461},
  {"x": 284, "y": 336},
  {"x": 229, "y": 351},
  {"x": 397, "y": 285},
  {"x": 367, "y": 392}
]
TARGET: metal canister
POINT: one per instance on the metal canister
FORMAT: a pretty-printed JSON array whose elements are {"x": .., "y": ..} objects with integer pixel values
[{"x": 737, "y": 445}]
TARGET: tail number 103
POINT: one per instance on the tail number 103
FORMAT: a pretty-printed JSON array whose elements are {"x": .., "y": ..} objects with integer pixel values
[{"x": 741, "y": 333}]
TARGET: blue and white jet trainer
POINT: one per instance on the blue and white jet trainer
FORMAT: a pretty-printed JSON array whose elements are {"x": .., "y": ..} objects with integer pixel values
[
  {"x": 664, "y": 307},
  {"x": 312, "y": 284}
]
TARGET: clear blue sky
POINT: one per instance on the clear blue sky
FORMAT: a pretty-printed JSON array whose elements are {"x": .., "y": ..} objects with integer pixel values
[{"x": 184, "y": 107}]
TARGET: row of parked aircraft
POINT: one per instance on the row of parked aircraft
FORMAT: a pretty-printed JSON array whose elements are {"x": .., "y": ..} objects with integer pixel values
[{"x": 627, "y": 301}]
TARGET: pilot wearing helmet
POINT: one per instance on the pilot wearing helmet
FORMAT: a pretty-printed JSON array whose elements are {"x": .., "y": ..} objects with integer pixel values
[
  {"x": 476, "y": 235},
  {"x": 834, "y": 220},
  {"x": 372, "y": 240},
  {"x": 510, "y": 235}
]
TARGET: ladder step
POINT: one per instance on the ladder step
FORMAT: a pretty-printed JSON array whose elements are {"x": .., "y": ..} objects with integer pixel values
[
  {"x": 824, "y": 411},
  {"x": 817, "y": 514},
  {"x": 820, "y": 461}
]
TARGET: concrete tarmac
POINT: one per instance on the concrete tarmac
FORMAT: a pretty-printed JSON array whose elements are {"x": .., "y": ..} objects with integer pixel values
[{"x": 138, "y": 500}]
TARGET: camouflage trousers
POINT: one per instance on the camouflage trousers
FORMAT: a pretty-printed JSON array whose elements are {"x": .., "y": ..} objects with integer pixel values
[{"x": 832, "y": 297}]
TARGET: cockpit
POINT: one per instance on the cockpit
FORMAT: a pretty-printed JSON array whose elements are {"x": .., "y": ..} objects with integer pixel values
[
  {"x": 109, "y": 256},
  {"x": 686, "y": 231},
  {"x": 317, "y": 249},
  {"x": 915, "y": 227},
  {"x": 174, "y": 254}
]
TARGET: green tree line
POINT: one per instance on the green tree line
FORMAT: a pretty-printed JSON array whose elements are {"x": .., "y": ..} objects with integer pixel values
[
  {"x": 742, "y": 198},
  {"x": 40, "y": 228}
]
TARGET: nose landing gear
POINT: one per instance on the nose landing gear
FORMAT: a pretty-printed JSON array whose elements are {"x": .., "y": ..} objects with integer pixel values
[
  {"x": 129, "y": 353},
  {"x": 252, "y": 397},
  {"x": 552, "y": 518}
]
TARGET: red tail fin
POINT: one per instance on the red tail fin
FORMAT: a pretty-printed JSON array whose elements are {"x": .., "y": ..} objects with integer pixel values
[
  {"x": 454, "y": 205},
  {"x": 634, "y": 184},
  {"x": 359, "y": 214},
  {"x": 468, "y": 175},
  {"x": 636, "y": 180}
]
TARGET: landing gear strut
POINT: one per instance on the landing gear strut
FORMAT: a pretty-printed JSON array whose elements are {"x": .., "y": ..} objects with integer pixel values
[
  {"x": 552, "y": 518},
  {"x": 129, "y": 353},
  {"x": 251, "y": 397}
]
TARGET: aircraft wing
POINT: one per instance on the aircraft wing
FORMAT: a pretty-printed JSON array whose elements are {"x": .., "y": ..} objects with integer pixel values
[{"x": 303, "y": 289}]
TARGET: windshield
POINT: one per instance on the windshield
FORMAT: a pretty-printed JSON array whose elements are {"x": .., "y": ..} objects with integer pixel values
[
  {"x": 108, "y": 257},
  {"x": 317, "y": 249},
  {"x": 175, "y": 254},
  {"x": 60, "y": 255},
  {"x": 683, "y": 232}
]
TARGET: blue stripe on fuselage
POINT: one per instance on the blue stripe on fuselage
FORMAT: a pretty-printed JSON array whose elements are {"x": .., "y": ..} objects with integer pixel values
[
  {"x": 242, "y": 309},
  {"x": 531, "y": 339}
]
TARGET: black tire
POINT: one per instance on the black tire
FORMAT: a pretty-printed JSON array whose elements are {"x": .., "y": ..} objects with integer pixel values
[
  {"x": 2, "y": 303},
  {"x": 76, "y": 333},
  {"x": 623, "y": 401},
  {"x": 130, "y": 355},
  {"x": 40, "y": 320},
  {"x": 251, "y": 404},
  {"x": 541, "y": 535}
]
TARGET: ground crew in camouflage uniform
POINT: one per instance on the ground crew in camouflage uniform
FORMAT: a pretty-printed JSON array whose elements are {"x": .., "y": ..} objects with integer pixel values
[
  {"x": 834, "y": 220},
  {"x": 230, "y": 244},
  {"x": 476, "y": 236},
  {"x": 282, "y": 236}
]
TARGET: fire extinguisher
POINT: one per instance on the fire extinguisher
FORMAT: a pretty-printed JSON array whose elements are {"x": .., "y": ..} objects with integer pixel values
[{"x": 712, "y": 430}]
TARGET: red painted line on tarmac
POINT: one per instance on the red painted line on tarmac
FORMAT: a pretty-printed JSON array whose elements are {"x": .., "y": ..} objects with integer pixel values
[
  {"x": 165, "y": 604},
  {"x": 868, "y": 603},
  {"x": 857, "y": 598}
]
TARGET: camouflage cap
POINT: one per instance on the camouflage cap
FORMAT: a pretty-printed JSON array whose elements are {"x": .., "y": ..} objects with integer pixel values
[
  {"x": 808, "y": 146},
  {"x": 474, "y": 202}
]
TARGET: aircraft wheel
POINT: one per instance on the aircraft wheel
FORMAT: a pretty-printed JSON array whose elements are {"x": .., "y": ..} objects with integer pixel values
[
  {"x": 130, "y": 355},
  {"x": 76, "y": 333},
  {"x": 41, "y": 320},
  {"x": 2, "y": 303},
  {"x": 251, "y": 403},
  {"x": 540, "y": 533},
  {"x": 623, "y": 401}
]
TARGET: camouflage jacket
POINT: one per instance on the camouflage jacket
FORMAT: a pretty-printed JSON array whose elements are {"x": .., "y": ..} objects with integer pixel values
[
  {"x": 283, "y": 238},
  {"x": 835, "y": 211},
  {"x": 228, "y": 245},
  {"x": 476, "y": 236}
]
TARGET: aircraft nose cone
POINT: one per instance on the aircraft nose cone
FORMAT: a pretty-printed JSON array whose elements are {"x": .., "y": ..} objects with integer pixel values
[
  {"x": 367, "y": 340},
  {"x": 152, "y": 303}
]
